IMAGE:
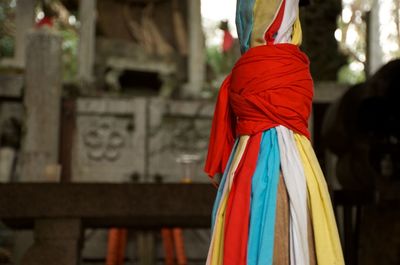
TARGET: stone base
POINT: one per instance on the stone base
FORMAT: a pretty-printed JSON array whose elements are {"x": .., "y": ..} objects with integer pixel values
[{"x": 57, "y": 242}]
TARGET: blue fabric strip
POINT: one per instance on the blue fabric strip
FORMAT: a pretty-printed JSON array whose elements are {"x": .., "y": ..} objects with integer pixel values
[
  {"x": 244, "y": 22},
  {"x": 263, "y": 201},
  {"x": 222, "y": 185}
]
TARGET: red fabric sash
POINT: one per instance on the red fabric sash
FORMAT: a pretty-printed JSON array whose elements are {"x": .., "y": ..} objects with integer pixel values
[
  {"x": 270, "y": 85},
  {"x": 237, "y": 215}
]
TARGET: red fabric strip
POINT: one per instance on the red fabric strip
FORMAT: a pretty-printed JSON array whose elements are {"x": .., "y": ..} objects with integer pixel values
[
  {"x": 222, "y": 135},
  {"x": 237, "y": 215},
  {"x": 270, "y": 85}
]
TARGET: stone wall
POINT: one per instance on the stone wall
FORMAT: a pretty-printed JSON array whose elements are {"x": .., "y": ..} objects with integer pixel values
[
  {"x": 120, "y": 140},
  {"x": 11, "y": 115}
]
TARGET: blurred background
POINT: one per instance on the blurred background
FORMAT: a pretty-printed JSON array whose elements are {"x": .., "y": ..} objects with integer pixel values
[{"x": 117, "y": 95}]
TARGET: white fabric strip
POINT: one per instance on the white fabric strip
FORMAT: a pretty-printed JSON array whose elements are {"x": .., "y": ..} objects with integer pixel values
[
  {"x": 289, "y": 17},
  {"x": 294, "y": 177}
]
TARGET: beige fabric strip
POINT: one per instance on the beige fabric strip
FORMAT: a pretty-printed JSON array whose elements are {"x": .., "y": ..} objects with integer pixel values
[
  {"x": 281, "y": 241},
  {"x": 243, "y": 140},
  {"x": 265, "y": 12}
]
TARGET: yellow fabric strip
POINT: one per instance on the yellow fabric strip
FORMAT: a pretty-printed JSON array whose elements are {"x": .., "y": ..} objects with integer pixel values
[
  {"x": 243, "y": 140},
  {"x": 327, "y": 242},
  {"x": 297, "y": 35},
  {"x": 218, "y": 246},
  {"x": 217, "y": 240},
  {"x": 265, "y": 12}
]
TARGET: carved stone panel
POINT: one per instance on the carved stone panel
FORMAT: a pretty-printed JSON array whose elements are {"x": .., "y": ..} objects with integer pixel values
[
  {"x": 143, "y": 139},
  {"x": 109, "y": 140},
  {"x": 179, "y": 131}
]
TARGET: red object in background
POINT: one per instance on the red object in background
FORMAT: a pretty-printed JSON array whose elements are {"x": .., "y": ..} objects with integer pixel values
[
  {"x": 46, "y": 21},
  {"x": 179, "y": 246},
  {"x": 174, "y": 246},
  {"x": 117, "y": 240},
  {"x": 168, "y": 244},
  {"x": 227, "y": 43}
]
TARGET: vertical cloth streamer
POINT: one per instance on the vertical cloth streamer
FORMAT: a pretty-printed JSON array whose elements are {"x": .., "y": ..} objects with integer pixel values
[
  {"x": 327, "y": 241},
  {"x": 244, "y": 22},
  {"x": 295, "y": 181},
  {"x": 238, "y": 206},
  {"x": 263, "y": 201}
]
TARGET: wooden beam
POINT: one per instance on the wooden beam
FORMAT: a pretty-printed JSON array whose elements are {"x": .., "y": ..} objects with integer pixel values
[{"x": 151, "y": 206}]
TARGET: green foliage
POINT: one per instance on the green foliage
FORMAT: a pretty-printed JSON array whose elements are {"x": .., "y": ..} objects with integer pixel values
[
  {"x": 6, "y": 46},
  {"x": 7, "y": 28},
  {"x": 349, "y": 76},
  {"x": 70, "y": 47},
  {"x": 68, "y": 33},
  {"x": 214, "y": 59}
]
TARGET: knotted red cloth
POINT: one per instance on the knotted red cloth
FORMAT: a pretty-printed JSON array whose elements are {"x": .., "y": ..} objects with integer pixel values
[{"x": 270, "y": 85}]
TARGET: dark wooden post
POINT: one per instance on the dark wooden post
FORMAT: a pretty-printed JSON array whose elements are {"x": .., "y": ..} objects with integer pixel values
[{"x": 68, "y": 129}]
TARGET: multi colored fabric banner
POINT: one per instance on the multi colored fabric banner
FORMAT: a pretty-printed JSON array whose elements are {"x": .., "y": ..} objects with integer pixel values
[{"x": 259, "y": 133}]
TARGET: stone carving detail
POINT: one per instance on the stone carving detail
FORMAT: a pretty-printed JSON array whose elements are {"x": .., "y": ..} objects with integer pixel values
[
  {"x": 103, "y": 140},
  {"x": 117, "y": 139},
  {"x": 109, "y": 140},
  {"x": 178, "y": 129}
]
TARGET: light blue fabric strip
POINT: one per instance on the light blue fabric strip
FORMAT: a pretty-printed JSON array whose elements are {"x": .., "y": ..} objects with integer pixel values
[
  {"x": 263, "y": 201},
  {"x": 244, "y": 22},
  {"x": 222, "y": 185}
]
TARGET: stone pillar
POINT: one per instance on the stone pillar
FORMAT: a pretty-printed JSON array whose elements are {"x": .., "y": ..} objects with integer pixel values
[
  {"x": 57, "y": 242},
  {"x": 196, "y": 50},
  {"x": 25, "y": 14},
  {"x": 87, "y": 40},
  {"x": 146, "y": 248},
  {"x": 43, "y": 83}
]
